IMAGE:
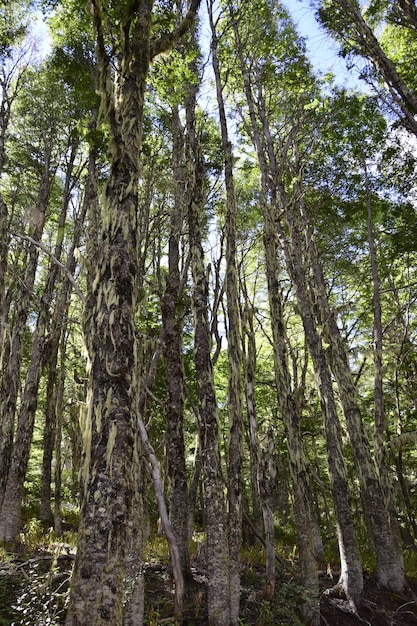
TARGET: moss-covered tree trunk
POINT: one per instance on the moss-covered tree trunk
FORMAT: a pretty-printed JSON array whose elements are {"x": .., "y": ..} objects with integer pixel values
[
  {"x": 378, "y": 505},
  {"x": 288, "y": 406},
  {"x": 291, "y": 415},
  {"x": 42, "y": 347},
  {"x": 108, "y": 484},
  {"x": 107, "y": 481}
]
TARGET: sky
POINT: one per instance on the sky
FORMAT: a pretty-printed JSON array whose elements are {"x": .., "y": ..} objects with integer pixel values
[{"x": 322, "y": 50}]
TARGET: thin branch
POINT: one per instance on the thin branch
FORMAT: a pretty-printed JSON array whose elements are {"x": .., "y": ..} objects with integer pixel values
[
  {"x": 173, "y": 546},
  {"x": 56, "y": 261}
]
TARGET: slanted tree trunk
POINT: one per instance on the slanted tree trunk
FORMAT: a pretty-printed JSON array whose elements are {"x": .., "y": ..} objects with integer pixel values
[
  {"x": 382, "y": 524},
  {"x": 291, "y": 415},
  {"x": 289, "y": 409},
  {"x": 213, "y": 481},
  {"x": 234, "y": 360},
  {"x": 10, "y": 515},
  {"x": 10, "y": 85},
  {"x": 351, "y": 579},
  {"x": 367, "y": 45},
  {"x": 10, "y": 382}
]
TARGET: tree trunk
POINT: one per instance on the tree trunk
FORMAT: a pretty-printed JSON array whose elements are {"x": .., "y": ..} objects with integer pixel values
[
  {"x": 213, "y": 481},
  {"x": 172, "y": 316},
  {"x": 289, "y": 410},
  {"x": 234, "y": 360},
  {"x": 11, "y": 374},
  {"x": 108, "y": 484},
  {"x": 10, "y": 516},
  {"x": 59, "y": 410},
  {"x": 390, "y": 565},
  {"x": 291, "y": 415},
  {"x": 368, "y": 46}
]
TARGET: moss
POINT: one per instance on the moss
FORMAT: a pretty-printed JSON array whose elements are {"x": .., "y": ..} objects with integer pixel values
[{"x": 110, "y": 444}]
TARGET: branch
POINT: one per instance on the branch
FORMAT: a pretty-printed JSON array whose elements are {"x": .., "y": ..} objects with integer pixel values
[
  {"x": 56, "y": 261},
  {"x": 173, "y": 547},
  {"x": 402, "y": 440},
  {"x": 163, "y": 44}
]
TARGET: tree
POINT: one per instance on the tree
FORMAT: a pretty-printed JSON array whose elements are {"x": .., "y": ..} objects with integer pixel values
[{"x": 108, "y": 485}]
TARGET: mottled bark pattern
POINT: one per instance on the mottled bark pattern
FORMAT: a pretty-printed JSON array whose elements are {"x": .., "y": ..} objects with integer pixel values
[
  {"x": 109, "y": 326},
  {"x": 108, "y": 486},
  {"x": 365, "y": 42},
  {"x": 10, "y": 516},
  {"x": 382, "y": 520}
]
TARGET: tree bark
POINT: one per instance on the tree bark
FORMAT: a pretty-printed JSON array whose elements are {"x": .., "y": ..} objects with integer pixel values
[
  {"x": 10, "y": 382},
  {"x": 108, "y": 484},
  {"x": 172, "y": 316},
  {"x": 367, "y": 45},
  {"x": 213, "y": 482},
  {"x": 234, "y": 360},
  {"x": 382, "y": 525}
]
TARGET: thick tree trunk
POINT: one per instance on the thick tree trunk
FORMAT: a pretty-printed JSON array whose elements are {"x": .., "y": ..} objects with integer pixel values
[{"x": 108, "y": 481}]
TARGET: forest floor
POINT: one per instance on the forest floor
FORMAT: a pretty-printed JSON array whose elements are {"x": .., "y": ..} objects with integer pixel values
[{"x": 34, "y": 592}]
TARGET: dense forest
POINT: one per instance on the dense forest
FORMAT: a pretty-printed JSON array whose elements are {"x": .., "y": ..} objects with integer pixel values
[{"x": 208, "y": 297}]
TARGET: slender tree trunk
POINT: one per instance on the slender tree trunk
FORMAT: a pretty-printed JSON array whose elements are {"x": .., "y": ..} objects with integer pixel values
[
  {"x": 289, "y": 411},
  {"x": 10, "y": 382},
  {"x": 59, "y": 411},
  {"x": 10, "y": 515},
  {"x": 60, "y": 312},
  {"x": 235, "y": 482},
  {"x": 172, "y": 315},
  {"x": 369, "y": 46},
  {"x": 291, "y": 416},
  {"x": 249, "y": 352},
  {"x": 351, "y": 578},
  {"x": 213, "y": 481},
  {"x": 382, "y": 522}
]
